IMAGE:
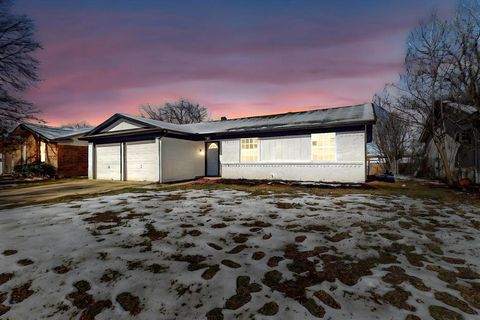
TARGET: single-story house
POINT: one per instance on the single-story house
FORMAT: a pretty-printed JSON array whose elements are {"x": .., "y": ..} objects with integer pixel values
[
  {"x": 462, "y": 144},
  {"x": 59, "y": 147},
  {"x": 316, "y": 145}
]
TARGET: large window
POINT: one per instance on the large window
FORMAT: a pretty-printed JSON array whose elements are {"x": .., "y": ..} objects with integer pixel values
[
  {"x": 249, "y": 150},
  {"x": 323, "y": 147}
]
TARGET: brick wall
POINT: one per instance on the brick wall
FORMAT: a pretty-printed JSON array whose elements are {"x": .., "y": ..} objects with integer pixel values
[{"x": 72, "y": 160}]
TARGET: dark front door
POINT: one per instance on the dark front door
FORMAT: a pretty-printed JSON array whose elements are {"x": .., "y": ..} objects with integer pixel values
[{"x": 212, "y": 159}]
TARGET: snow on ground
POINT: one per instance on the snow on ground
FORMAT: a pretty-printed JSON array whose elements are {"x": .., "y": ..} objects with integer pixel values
[{"x": 195, "y": 254}]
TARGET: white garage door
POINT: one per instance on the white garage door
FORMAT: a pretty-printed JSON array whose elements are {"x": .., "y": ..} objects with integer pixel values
[
  {"x": 141, "y": 161},
  {"x": 108, "y": 161}
]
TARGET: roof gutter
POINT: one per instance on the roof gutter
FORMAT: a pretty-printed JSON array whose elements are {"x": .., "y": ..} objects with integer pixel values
[
  {"x": 201, "y": 136},
  {"x": 133, "y": 133}
]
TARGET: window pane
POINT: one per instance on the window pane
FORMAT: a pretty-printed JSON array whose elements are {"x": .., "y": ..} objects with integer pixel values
[
  {"x": 323, "y": 147},
  {"x": 249, "y": 149}
]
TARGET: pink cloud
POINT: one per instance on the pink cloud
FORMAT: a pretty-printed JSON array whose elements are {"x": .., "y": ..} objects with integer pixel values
[{"x": 237, "y": 63}]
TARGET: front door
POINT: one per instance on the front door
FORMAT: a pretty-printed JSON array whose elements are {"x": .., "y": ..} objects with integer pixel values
[{"x": 212, "y": 161}]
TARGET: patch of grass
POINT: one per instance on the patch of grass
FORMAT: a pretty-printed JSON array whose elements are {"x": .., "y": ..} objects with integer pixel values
[
  {"x": 237, "y": 249},
  {"x": 470, "y": 294},
  {"x": 396, "y": 275},
  {"x": 398, "y": 297},
  {"x": 442, "y": 313},
  {"x": 157, "y": 268},
  {"x": 269, "y": 309},
  {"x": 25, "y": 262},
  {"x": 214, "y": 246},
  {"x": 313, "y": 308},
  {"x": 82, "y": 285},
  {"x": 6, "y": 276},
  {"x": 258, "y": 255},
  {"x": 4, "y": 309},
  {"x": 110, "y": 275},
  {"x": 435, "y": 248},
  {"x": 231, "y": 264},
  {"x": 339, "y": 236},
  {"x": 214, "y": 314},
  {"x": 412, "y": 189},
  {"x": 210, "y": 272},
  {"x": 327, "y": 299},
  {"x": 9, "y": 252},
  {"x": 416, "y": 260},
  {"x": 273, "y": 261},
  {"x": 392, "y": 236},
  {"x": 453, "y": 301},
  {"x": 129, "y": 302},
  {"x": 152, "y": 233},
  {"x": 21, "y": 293},
  {"x": 62, "y": 269}
]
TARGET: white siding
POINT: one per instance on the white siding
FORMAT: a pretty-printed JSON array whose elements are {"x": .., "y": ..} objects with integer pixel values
[
  {"x": 296, "y": 148},
  {"x": 108, "y": 162},
  {"x": 350, "y": 146},
  {"x": 141, "y": 161},
  {"x": 122, "y": 125},
  {"x": 230, "y": 151},
  {"x": 354, "y": 172},
  {"x": 181, "y": 159},
  {"x": 289, "y": 158}
]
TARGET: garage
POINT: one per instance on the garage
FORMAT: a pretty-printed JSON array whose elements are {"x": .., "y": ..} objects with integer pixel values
[
  {"x": 108, "y": 165},
  {"x": 141, "y": 161}
]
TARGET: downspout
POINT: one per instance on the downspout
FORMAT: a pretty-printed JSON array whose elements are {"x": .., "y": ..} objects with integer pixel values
[
  {"x": 158, "y": 142},
  {"x": 122, "y": 162},
  {"x": 365, "y": 138}
]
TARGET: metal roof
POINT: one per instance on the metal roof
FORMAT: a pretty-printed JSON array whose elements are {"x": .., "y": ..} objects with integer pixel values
[
  {"x": 328, "y": 117},
  {"x": 54, "y": 133}
]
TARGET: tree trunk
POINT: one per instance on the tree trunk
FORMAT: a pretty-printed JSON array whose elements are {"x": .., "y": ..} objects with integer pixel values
[
  {"x": 445, "y": 161},
  {"x": 395, "y": 167}
]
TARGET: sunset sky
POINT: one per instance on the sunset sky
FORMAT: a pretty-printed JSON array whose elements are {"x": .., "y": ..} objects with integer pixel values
[{"x": 238, "y": 58}]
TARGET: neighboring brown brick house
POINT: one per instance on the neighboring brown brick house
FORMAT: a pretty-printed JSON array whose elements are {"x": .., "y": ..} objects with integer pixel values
[{"x": 59, "y": 147}]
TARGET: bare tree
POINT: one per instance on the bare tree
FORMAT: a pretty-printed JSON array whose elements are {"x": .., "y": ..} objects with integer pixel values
[
  {"x": 18, "y": 67},
  {"x": 464, "y": 54},
  {"x": 424, "y": 88},
  {"x": 181, "y": 112},
  {"x": 77, "y": 125},
  {"x": 392, "y": 133}
]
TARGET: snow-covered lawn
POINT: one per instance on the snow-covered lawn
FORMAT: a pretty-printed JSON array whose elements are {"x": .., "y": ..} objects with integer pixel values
[{"x": 195, "y": 254}]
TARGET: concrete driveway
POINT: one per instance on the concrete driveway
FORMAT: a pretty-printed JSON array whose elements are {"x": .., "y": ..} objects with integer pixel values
[{"x": 61, "y": 190}]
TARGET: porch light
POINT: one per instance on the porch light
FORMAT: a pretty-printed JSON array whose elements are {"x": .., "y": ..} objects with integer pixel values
[{"x": 200, "y": 151}]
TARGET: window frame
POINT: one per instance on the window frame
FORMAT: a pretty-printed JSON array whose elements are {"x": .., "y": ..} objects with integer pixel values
[
  {"x": 242, "y": 142},
  {"x": 323, "y": 147}
]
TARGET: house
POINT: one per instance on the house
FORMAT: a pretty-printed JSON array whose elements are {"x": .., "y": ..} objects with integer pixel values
[
  {"x": 316, "y": 145},
  {"x": 462, "y": 144},
  {"x": 59, "y": 147}
]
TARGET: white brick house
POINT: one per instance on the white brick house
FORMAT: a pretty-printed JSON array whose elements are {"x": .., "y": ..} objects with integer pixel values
[{"x": 319, "y": 145}]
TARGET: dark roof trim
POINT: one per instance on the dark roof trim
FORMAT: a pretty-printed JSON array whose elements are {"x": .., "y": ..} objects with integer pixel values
[
  {"x": 304, "y": 120},
  {"x": 140, "y": 135},
  {"x": 112, "y": 120}
]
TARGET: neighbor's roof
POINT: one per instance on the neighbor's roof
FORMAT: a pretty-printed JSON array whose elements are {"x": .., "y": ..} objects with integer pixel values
[
  {"x": 54, "y": 133},
  {"x": 327, "y": 117}
]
